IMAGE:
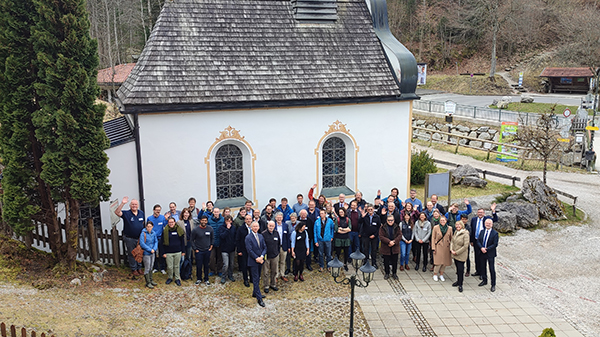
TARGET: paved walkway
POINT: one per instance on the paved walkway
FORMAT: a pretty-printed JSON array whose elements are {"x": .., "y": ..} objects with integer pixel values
[{"x": 418, "y": 306}]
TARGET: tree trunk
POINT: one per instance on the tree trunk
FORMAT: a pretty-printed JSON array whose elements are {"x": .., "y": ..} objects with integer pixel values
[
  {"x": 71, "y": 225},
  {"x": 495, "y": 28},
  {"x": 545, "y": 169}
]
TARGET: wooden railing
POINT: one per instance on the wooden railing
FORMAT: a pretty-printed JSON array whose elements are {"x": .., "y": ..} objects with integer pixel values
[
  {"x": 13, "y": 331},
  {"x": 485, "y": 173}
]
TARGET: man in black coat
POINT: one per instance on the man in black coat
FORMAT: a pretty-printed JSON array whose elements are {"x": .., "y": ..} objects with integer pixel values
[
  {"x": 257, "y": 250},
  {"x": 477, "y": 226},
  {"x": 240, "y": 237},
  {"x": 487, "y": 244},
  {"x": 370, "y": 234}
]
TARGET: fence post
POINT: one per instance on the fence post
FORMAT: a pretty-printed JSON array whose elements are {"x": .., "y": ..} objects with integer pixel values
[
  {"x": 115, "y": 246},
  {"x": 574, "y": 207},
  {"x": 474, "y": 112},
  {"x": 429, "y": 106},
  {"x": 484, "y": 172},
  {"x": 499, "y": 115},
  {"x": 527, "y": 119},
  {"x": 93, "y": 238},
  {"x": 3, "y": 329}
]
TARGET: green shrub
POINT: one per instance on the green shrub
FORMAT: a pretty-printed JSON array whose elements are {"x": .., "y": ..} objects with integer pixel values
[
  {"x": 548, "y": 332},
  {"x": 421, "y": 163}
]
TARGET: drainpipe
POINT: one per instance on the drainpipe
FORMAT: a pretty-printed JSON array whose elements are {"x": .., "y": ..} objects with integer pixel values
[{"x": 138, "y": 157}]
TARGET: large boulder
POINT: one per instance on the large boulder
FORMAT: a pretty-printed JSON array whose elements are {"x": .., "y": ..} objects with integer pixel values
[
  {"x": 526, "y": 99},
  {"x": 463, "y": 171},
  {"x": 502, "y": 105},
  {"x": 527, "y": 214},
  {"x": 473, "y": 182},
  {"x": 507, "y": 222},
  {"x": 536, "y": 192}
]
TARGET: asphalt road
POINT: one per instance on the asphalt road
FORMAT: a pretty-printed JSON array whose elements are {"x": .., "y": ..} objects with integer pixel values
[{"x": 484, "y": 101}]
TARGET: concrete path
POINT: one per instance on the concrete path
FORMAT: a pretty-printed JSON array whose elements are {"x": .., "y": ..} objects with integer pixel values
[{"x": 418, "y": 306}]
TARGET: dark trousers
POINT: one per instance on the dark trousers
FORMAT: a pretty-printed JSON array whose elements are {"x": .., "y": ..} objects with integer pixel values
[
  {"x": 370, "y": 247},
  {"x": 160, "y": 263},
  {"x": 255, "y": 272},
  {"x": 485, "y": 261},
  {"x": 478, "y": 260},
  {"x": 338, "y": 253},
  {"x": 243, "y": 265},
  {"x": 468, "y": 259},
  {"x": 460, "y": 271},
  {"x": 130, "y": 244},
  {"x": 390, "y": 260},
  {"x": 314, "y": 252},
  {"x": 422, "y": 248},
  {"x": 202, "y": 261},
  {"x": 216, "y": 260},
  {"x": 354, "y": 242}
]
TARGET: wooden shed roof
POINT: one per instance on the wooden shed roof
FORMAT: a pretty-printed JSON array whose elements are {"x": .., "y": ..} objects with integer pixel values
[
  {"x": 121, "y": 71},
  {"x": 567, "y": 72},
  {"x": 233, "y": 53}
]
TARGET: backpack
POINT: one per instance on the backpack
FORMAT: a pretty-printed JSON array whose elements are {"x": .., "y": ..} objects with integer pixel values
[{"x": 186, "y": 270}]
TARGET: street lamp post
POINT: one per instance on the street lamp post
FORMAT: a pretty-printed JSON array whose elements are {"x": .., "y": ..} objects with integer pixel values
[{"x": 367, "y": 271}]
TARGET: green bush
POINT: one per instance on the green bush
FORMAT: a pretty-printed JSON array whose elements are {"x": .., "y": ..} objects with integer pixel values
[
  {"x": 421, "y": 163},
  {"x": 548, "y": 332}
]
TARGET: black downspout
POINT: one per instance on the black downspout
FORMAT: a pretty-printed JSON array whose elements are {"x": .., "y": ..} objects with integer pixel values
[{"x": 138, "y": 157}]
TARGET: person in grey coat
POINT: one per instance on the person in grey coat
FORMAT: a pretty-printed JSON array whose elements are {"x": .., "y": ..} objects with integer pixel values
[{"x": 422, "y": 233}]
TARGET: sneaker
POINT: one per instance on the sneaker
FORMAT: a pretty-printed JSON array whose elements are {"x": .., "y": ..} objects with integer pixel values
[
  {"x": 442, "y": 278},
  {"x": 395, "y": 277},
  {"x": 207, "y": 283},
  {"x": 231, "y": 279},
  {"x": 386, "y": 276},
  {"x": 211, "y": 274},
  {"x": 178, "y": 282},
  {"x": 198, "y": 282},
  {"x": 164, "y": 272},
  {"x": 435, "y": 278},
  {"x": 223, "y": 280},
  {"x": 154, "y": 271}
]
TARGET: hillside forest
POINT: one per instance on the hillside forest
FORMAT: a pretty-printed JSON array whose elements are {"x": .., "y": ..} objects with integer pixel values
[{"x": 449, "y": 35}]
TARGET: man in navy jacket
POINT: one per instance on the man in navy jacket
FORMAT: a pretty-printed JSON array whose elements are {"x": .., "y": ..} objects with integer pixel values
[
  {"x": 486, "y": 244},
  {"x": 257, "y": 249},
  {"x": 477, "y": 226},
  {"x": 240, "y": 239}
]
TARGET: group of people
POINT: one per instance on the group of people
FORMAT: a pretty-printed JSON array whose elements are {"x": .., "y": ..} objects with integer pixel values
[{"x": 283, "y": 240}]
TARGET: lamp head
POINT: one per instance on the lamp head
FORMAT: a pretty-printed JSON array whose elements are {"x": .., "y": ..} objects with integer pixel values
[
  {"x": 357, "y": 258},
  {"x": 368, "y": 272},
  {"x": 335, "y": 265}
]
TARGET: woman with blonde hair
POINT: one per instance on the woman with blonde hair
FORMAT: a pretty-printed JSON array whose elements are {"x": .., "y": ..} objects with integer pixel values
[{"x": 459, "y": 250}]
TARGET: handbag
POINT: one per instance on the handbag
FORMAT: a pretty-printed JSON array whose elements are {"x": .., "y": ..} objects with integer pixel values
[{"x": 138, "y": 253}]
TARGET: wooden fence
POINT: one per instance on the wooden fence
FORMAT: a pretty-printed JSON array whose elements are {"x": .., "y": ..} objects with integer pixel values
[
  {"x": 13, "y": 331},
  {"x": 93, "y": 244}
]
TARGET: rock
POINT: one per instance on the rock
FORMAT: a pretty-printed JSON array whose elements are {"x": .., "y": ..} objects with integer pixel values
[
  {"x": 452, "y": 140},
  {"x": 507, "y": 69},
  {"x": 502, "y": 105},
  {"x": 458, "y": 132},
  {"x": 506, "y": 99},
  {"x": 526, "y": 213},
  {"x": 526, "y": 99},
  {"x": 441, "y": 127},
  {"x": 420, "y": 122},
  {"x": 496, "y": 137},
  {"x": 463, "y": 141},
  {"x": 431, "y": 127},
  {"x": 485, "y": 136},
  {"x": 513, "y": 197},
  {"x": 492, "y": 131},
  {"x": 475, "y": 143},
  {"x": 437, "y": 136},
  {"x": 544, "y": 198},
  {"x": 76, "y": 282},
  {"x": 96, "y": 268},
  {"x": 463, "y": 128},
  {"x": 483, "y": 129},
  {"x": 463, "y": 171},
  {"x": 495, "y": 102},
  {"x": 473, "y": 182},
  {"x": 473, "y": 134},
  {"x": 99, "y": 276},
  {"x": 507, "y": 222}
]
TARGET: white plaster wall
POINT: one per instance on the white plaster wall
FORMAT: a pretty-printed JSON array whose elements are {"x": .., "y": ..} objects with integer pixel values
[
  {"x": 175, "y": 145},
  {"x": 123, "y": 178}
]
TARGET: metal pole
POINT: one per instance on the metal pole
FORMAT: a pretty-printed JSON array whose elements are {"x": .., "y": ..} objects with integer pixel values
[{"x": 352, "y": 285}]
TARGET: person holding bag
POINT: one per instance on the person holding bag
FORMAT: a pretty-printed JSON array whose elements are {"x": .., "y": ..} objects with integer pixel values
[{"x": 149, "y": 244}]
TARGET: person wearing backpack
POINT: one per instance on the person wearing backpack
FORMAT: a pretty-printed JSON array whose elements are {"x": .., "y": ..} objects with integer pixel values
[{"x": 149, "y": 244}]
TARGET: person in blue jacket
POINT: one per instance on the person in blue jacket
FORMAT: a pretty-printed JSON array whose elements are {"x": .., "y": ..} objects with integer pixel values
[
  {"x": 149, "y": 244},
  {"x": 453, "y": 214},
  {"x": 323, "y": 237},
  {"x": 285, "y": 209}
]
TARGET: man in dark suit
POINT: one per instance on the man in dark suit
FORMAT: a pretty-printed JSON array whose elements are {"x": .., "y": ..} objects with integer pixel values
[
  {"x": 370, "y": 234},
  {"x": 487, "y": 243},
  {"x": 240, "y": 239},
  {"x": 477, "y": 226},
  {"x": 257, "y": 249},
  {"x": 434, "y": 201}
]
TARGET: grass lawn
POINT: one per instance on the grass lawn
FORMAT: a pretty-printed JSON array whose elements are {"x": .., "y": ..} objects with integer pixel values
[
  {"x": 481, "y": 85},
  {"x": 461, "y": 192},
  {"x": 539, "y": 107}
]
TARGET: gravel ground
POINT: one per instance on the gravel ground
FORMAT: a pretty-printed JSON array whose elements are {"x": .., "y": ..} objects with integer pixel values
[{"x": 556, "y": 267}]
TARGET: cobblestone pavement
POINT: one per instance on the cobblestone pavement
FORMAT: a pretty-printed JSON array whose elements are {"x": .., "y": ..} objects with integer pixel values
[{"x": 415, "y": 305}]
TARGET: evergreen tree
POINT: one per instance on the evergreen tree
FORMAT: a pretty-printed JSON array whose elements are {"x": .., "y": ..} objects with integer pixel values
[{"x": 53, "y": 140}]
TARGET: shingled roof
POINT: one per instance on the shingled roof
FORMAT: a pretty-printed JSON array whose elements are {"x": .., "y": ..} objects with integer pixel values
[
  {"x": 205, "y": 54},
  {"x": 118, "y": 75},
  {"x": 567, "y": 72}
]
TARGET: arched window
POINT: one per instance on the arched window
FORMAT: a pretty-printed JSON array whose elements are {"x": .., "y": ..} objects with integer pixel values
[
  {"x": 230, "y": 172},
  {"x": 334, "y": 163}
]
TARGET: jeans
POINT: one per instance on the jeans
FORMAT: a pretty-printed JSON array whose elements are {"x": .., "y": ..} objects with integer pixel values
[
  {"x": 405, "y": 252},
  {"x": 173, "y": 260},
  {"x": 227, "y": 264},
  {"x": 354, "y": 242},
  {"x": 370, "y": 247},
  {"x": 202, "y": 261},
  {"x": 324, "y": 248},
  {"x": 130, "y": 245},
  {"x": 148, "y": 261}
]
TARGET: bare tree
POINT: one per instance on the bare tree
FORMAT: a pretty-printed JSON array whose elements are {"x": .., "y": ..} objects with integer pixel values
[{"x": 542, "y": 138}]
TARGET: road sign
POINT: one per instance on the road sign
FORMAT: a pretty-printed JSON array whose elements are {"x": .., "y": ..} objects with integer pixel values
[
  {"x": 450, "y": 107},
  {"x": 521, "y": 79},
  {"x": 591, "y": 128},
  {"x": 567, "y": 113}
]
